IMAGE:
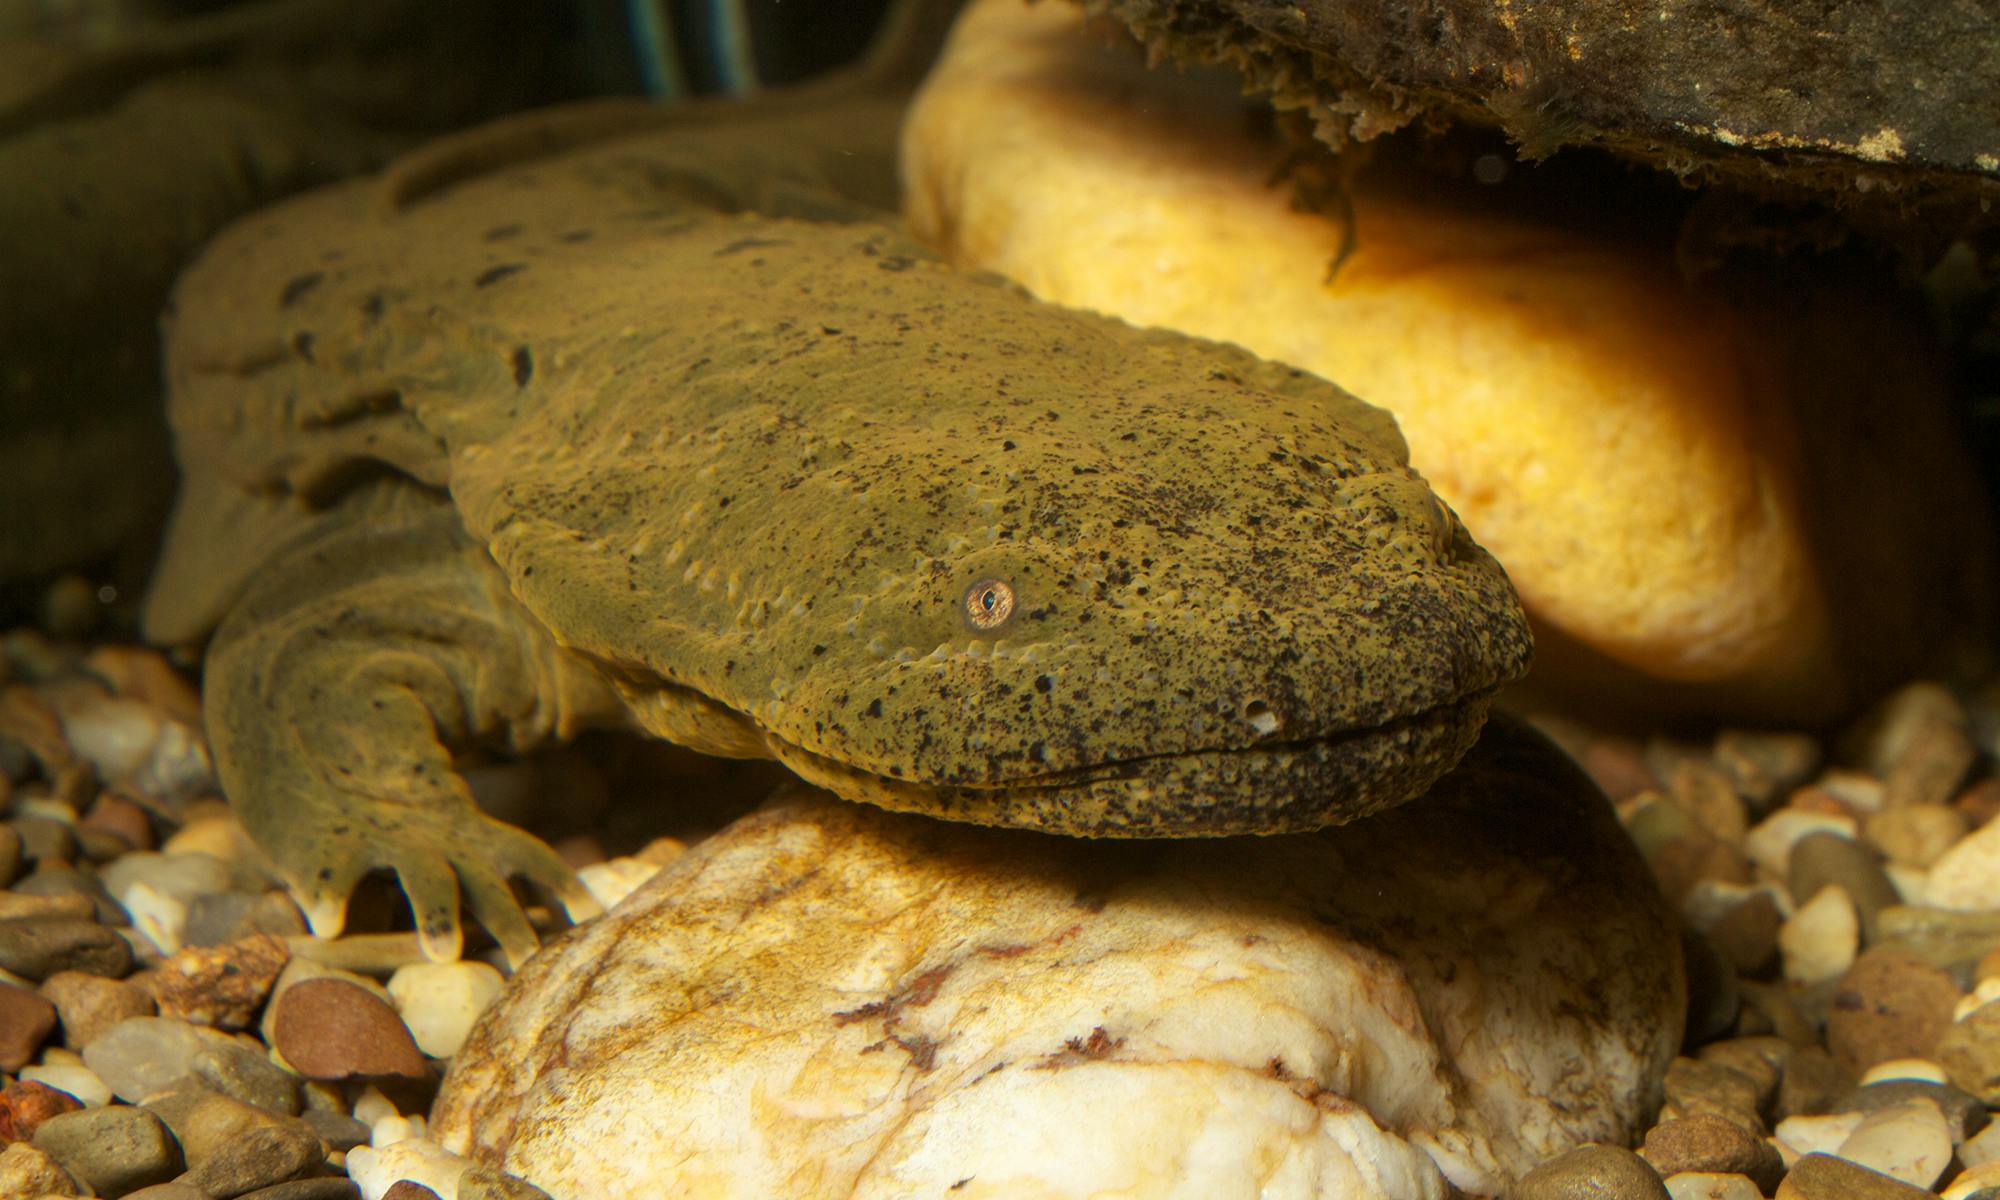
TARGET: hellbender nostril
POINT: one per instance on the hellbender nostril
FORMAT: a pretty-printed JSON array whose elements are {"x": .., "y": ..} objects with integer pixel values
[{"x": 1261, "y": 718}]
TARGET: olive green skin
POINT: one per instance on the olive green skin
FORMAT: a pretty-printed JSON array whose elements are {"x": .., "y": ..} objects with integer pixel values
[{"x": 609, "y": 418}]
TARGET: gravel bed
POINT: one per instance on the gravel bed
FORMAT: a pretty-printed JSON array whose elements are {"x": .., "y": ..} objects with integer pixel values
[{"x": 169, "y": 1031}]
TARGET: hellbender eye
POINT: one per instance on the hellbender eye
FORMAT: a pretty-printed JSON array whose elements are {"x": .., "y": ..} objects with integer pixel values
[{"x": 988, "y": 604}]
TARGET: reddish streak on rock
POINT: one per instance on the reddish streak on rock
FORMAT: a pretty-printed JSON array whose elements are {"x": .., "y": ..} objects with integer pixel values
[{"x": 25, "y": 1104}]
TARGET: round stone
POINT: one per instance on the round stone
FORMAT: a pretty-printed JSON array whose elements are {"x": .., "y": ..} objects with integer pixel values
[
  {"x": 1970, "y": 1053},
  {"x": 1820, "y": 860},
  {"x": 26, "y": 1020},
  {"x": 1907, "y": 1141},
  {"x": 440, "y": 1001},
  {"x": 38, "y": 949},
  {"x": 1709, "y": 1143},
  {"x": 1827, "y": 1177},
  {"x": 87, "y": 1005},
  {"x": 25, "y": 1104},
  {"x": 1594, "y": 1172},
  {"x": 1889, "y": 1004},
  {"x": 28, "y": 1171}
]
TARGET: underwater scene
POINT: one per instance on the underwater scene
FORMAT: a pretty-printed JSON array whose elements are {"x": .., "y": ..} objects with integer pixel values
[{"x": 1047, "y": 599}]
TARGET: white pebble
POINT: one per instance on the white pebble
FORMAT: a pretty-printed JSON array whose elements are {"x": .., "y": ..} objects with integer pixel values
[
  {"x": 1820, "y": 940},
  {"x": 1981, "y": 1147},
  {"x": 419, "y": 1160},
  {"x": 1904, "y": 1068},
  {"x": 1970, "y": 1180},
  {"x": 1908, "y": 1141},
  {"x": 1967, "y": 876},
  {"x": 440, "y": 1001},
  {"x": 614, "y": 879},
  {"x": 372, "y": 1106},
  {"x": 58, "y": 1056},
  {"x": 1912, "y": 884},
  {"x": 1769, "y": 843},
  {"x": 1711, "y": 1185},
  {"x": 115, "y": 733},
  {"x": 1858, "y": 790},
  {"x": 76, "y": 1079},
  {"x": 162, "y": 918},
  {"x": 1817, "y": 1134},
  {"x": 390, "y": 1130}
]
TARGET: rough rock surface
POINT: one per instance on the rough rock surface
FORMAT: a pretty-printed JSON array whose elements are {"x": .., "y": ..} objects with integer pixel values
[{"x": 827, "y": 1000}]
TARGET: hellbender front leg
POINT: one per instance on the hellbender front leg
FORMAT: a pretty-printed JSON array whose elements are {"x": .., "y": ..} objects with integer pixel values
[{"x": 333, "y": 691}]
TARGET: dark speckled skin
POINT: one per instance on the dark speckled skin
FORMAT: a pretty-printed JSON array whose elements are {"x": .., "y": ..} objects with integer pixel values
[{"x": 567, "y": 423}]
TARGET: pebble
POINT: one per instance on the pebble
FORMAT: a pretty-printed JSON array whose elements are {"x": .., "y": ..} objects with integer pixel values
[
  {"x": 234, "y": 1148},
  {"x": 1949, "y": 938},
  {"x": 612, "y": 880},
  {"x": 331, "y": 1029},
  {"x": 78, "y": 1080},
  {"x": 44, "y": 839},
  {"x": 223, "y": 986},
  {"x": 1825, "y": 1177},
  {"x": 1706, "y": 1142},
  {"x": 160, "y": 916},
  {"x": 1890, "y": 1004},
  {"x": 338, "y": 1130},
  {"x": 1907, "y": 1141},
  {"x": 1760, "y": 1059},
  {"x": 240, "y": 1072},
  {"x": 26, "y": 1020},
  {"x": 377, "y": 1169},
  {"x": 25, "y": 1104},
  {"x": 1690, "y": 1185},
  {"x": 38, "y": 949},
  {"x": 1812, "y": 1083},
  {"x": 87, "y": 1005},
  {"x": 10, "y": 852},
  {"x": 330, "y": 1187},
  {"x": 440, "y": 1001},
  {"x": 1765, "y": 765},
  {"x": 1819, "y": 1134},
  {"x": 406, "y": 1189},
  {"x": 1709, "y": 796},
  {"x": 1740, "y": 921},
  {"x": 1967, "y": 876},
  {"x": 1918, "y": 1069},
  {"x": 1822, "y": 859},
  {"x": 142, "y": 1056},
  {"x": 1769, "y": 842},
  {"x": 171, "y": 1190},
  {"x": 115, "y": 1149},
  {"x": 1916, "y": 835},
  {"x": 1981, "y": 1147},
  {"x": 50, "y": 880},
  {"x": 1973, "y": 1181},
  {"x": 1933, "y": 763},
  {"x": 1964, "y": 1115},
  {"x": 26, "y": 1171},
  {"x": 1969, "y": 1051},
  {"x": 1820, "y": 940},
  {"x": 1695, "y": 1088},
  {"x": 120, "y": 818}
]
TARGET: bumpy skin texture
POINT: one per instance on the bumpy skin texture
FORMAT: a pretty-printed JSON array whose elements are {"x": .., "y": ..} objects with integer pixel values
[{"x": 723, "y": 453}]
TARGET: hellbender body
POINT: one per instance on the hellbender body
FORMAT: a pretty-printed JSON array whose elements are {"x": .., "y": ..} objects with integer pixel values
[{"x": 610, "y": 417}]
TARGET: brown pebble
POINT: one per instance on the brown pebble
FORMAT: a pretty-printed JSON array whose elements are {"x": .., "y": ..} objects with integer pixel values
[
  {"x": 26, "y": 1020},
  {"x": 1812, "y": 1084},
  {"x": 408, "y": 1189},
  {"x": 1932, "y": 764},
  {"x": 26, "y": 906},
  {"x": 10, "y": 852},
  {"x": 1765, "y": 766},
  {"x": 330, "y": 1187},
  {"x": 1747, "y": 934},
  {"x": 1760, "y": 1059},
  {"x": 1710, "y": 797},
  {"x": 224, "y": 985},
  {"x": 1705, "y": 1142},
  {"x": 25, "y": 1104},
  {"x": 38, "y": 949},
  {"x": 1889, "y": 1004},
  {"x": 1969, "y": 1051},
  {"x": 1684, "y": 862},
  {"x": 1915, "y": 835},
  {"x": 1696, "y": 1088},
  {"x": 233, "y": 1147},
  {"x": 332, "y": 1029},
  {"x": 1776, "y": 1012},
  {"x": 121, "y": 818},
  {"x": 144, "y": 674},
  {"x": 1593, "y": 1172},
  {"x": 1825, "y": 1177},
  {"x": 87, "y": 1005}
]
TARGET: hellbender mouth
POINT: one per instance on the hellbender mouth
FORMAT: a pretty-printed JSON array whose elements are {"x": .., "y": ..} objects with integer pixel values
[{"x": 1267, "y": 787}]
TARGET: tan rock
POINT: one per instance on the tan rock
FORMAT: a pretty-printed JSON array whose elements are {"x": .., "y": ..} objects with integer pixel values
[
  {"x": 1584, "y": 396},
  {"x": 1907, "y": 1141},
  {"x": 828, "y": 1000},
  {"x": 1890, "y": 1004},
  {"x": 1967, "y": 876},
  {"x": 1916, "y": 835},
  {"x": 1825, "y": 1177},
  {"x": 1591, "y": 1173},
  {"x": 1711, "y": 1185},
  {"x": 1705, "y": 1142}
]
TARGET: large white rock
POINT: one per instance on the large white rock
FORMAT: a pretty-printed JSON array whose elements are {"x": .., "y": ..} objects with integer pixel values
[{"x": 826, "y": 1000}]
